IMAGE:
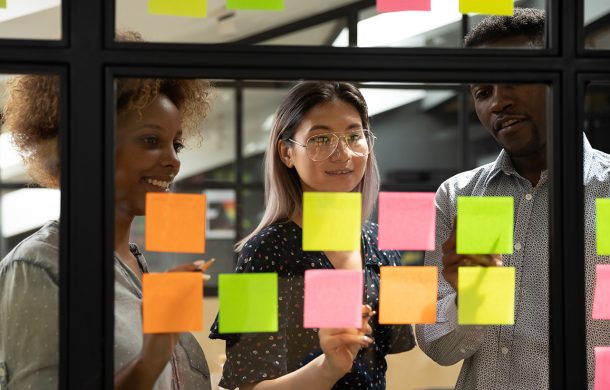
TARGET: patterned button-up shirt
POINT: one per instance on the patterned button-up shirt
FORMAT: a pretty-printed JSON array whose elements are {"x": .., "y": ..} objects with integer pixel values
[{"x": 517, "y": 356}]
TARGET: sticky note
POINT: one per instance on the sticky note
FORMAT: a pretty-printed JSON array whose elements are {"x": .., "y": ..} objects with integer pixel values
[
  {"x": 403, "y": 5},
  {"x": 602, "y": 225},
  {"x": 602, "y": 365},
  {"x": 2, "y": 3},
  {"x": 188, "y": 8},
  {"x": 407, "y": 295},
  {"x": 486, "y": 295},
  {"x": 172, "y": 302},
  {"x": 407, "y": 220},
  {"x": 331, "y": 221},
  {"x": 601, "y": 299},
  {"x": 485, "y": 225},
  {"x": 175, "y": 222},
  {"x": 268, "y": 5},
  {"x": 333, "y": 298},
  {"x": 488, "y": 7},
  {"x": 247, "y": 303}
]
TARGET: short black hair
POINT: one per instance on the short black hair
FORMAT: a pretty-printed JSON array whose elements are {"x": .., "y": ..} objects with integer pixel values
[{"x": 527, "y": 22}]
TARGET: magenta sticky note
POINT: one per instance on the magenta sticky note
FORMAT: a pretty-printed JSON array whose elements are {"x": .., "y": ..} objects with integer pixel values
[
  {"x": 601, "y": 299},
  {"x": 602, "y": 368},
  {"x": 333, "y": 298},
  {"x": 403, "y": 5},
  {"x": 407, "y": 220}
]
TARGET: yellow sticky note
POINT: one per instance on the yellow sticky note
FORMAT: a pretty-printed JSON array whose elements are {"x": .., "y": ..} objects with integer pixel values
[
  {"x": 175, "y": 222},
  {"x": 486, "y": 295},
  {"x": 488, "y": 7},
  {"x": 407, "y": 295},
  {"x": 172, "y": 302},
  {"x": 331, "y": 221},
  {"x": 188, "y": 8}
]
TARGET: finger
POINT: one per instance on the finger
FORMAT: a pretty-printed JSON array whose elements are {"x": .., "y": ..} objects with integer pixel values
[
  {"x": 189, "y": 267},
  {"x": 481, "y": 260},
  {"x": 453, "y": 258},
  {"x": 204, "y": 265}
]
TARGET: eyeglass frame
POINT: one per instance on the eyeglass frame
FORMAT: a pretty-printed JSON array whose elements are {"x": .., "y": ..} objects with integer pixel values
[{"x": 342, "y": 136}]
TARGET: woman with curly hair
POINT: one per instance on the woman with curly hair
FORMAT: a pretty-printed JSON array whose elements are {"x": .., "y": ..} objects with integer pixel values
[{"x": 151, "y": 116}]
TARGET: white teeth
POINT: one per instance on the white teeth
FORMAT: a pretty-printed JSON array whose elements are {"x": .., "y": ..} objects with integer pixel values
[{"x": 159, "y": 183}]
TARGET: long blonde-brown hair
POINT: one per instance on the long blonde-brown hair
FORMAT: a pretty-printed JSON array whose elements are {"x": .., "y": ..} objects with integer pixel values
[{"x": 283, "y": 192}]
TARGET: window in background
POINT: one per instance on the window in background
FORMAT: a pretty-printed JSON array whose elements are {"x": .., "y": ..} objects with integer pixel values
[
  {"x": 32, "y": 19},
  {"x": 597, "y": 24}
]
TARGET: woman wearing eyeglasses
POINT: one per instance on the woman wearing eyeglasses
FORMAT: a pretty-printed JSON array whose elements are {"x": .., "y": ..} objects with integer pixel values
[{"x": 319, "y": 142}]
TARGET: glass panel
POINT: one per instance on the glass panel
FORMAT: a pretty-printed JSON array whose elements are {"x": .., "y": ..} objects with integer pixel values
[
  {"x": 596, "y": 176},
  {"x": 33, "y": 19},
  {"x": 597, "y": 24},
  {"x": 324, "y": 34},
  {"x": 253, "y": 206},
  {"x": 29, "y": 232}
]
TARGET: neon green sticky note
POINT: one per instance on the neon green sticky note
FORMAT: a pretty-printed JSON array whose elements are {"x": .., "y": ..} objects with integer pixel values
[
  {"x": 602, "y": 225},
  {"x": 486, "y": 295},
  {"x": 331, "y": 221},
  {"x": 247, "y": 302},
  {"x": 268, "y": 5},
  {"x": 188, "y": 8},
  {"x": 2, "y": 3},
  {"x": 484, "y": 225},
  {"x": 488, "y": 7}
]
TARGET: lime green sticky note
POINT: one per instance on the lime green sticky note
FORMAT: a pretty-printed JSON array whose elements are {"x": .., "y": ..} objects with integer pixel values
[
  {"x": 488, "y": 7},
  {"x": 2, "y": 3},
  {"x": 486, "y": 295},
  {"x": 484, "y": 225},
  {"x": 189, "y": 8},
  {"x": 247, "y": 303},
  {"x": 331, "y": 221},
  {"x": 268, "y": 5},
  {"x": 602, "y": 225}
]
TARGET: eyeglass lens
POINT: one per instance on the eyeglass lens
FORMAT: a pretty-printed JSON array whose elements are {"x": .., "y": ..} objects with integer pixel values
[{"x": 322, "y": 146}]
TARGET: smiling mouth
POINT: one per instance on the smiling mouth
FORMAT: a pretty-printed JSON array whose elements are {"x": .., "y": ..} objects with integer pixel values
[
  {"x": 508, "y": 123},
  {"x": 340, "y": 172},
  {"x": 164, "y": 185}
]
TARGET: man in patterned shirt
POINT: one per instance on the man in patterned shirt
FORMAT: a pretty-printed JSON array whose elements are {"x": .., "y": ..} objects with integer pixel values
[{"x": 517, "y": 356}]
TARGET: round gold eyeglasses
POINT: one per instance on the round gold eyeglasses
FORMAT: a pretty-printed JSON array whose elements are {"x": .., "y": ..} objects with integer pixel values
[{"x": 321, "y": 146}]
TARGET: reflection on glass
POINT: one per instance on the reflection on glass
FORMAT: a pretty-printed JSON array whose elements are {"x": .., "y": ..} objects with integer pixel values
[
  {"x": 29, "y": 239},
  {"x": 597, "y": 24},
  {"x": 33, "y": 19}
]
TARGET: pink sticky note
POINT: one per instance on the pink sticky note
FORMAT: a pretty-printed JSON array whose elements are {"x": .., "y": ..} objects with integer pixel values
[
  {"x": 333, "y": 298},
  {"x": 403, "y": 5},
  {"x": 601, "y": 299},
  {"x": 602, "y": 368},
  {"x": 407, "y": 220}
]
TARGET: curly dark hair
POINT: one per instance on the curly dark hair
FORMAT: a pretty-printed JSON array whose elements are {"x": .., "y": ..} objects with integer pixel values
[
  {"x": 527, "y": 22},
  {"x": 31, "y": 114}
]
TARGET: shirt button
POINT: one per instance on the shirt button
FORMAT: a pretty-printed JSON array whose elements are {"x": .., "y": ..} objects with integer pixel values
[
  {"x": 462, "y": 350},
  {"x": 517, "y": 246},
  {"x": 504, "y": 350},
  {"x": 528, "y": 196}
]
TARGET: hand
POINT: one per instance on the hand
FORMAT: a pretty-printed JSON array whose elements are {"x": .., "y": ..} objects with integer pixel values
[
  {"x": 157, "y": 349},
  {"x": 196, "y": 266},
  {"x": 340, "y": 346},
  {"x": 451, "y": 260}
]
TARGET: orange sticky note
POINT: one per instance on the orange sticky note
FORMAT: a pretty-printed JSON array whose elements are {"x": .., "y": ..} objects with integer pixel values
[
  {"x": 175, "y": 222},
  {"x": 407, "y": 295},
  {"x": 172, "y": 302}
]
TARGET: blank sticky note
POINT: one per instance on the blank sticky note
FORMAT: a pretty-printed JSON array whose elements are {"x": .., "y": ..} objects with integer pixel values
[
  {"x": 247, "y": 303},
  {"x": 407, "y": 220},
  {"x": 331, "y": 221},
  {"x": 188, "y": 8},
  {"x": 2, "y": 3},
  {"x": 486, "y": 295},
  {"x": 403, "y": 5},
  {"x": 485, "y": 225},
  {"x": 602, "y": 225},
  {"x": 175, "y": 222},
  {"x": 333, "y": 298},
  {"x": 601, "y": 299},
  {"x": 172, "y": 302},
  {"x": 268, "y": 5},
  {"x": 407, "y": 295},
  {"x": 488, "y": 7},
  {"x": 602, "y": 368}
]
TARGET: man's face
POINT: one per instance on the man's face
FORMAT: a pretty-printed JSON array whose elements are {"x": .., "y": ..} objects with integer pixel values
[{"x": 514, "y": 114}]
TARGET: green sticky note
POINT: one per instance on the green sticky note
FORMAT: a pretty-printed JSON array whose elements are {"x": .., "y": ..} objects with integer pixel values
[
  {"x": 488, "y": 7},
  {"x": 189, "y": 8},
  {"x": 331, "y": 221},
  {"x": 247, "y": 303},
  {"x": 267, "y": 5},
  {"x": 2, "y": 3},
  {"x": 602, "y": 226},
  {"x": 484, "y": 225},
  {"x": 486, "y": 295}
]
